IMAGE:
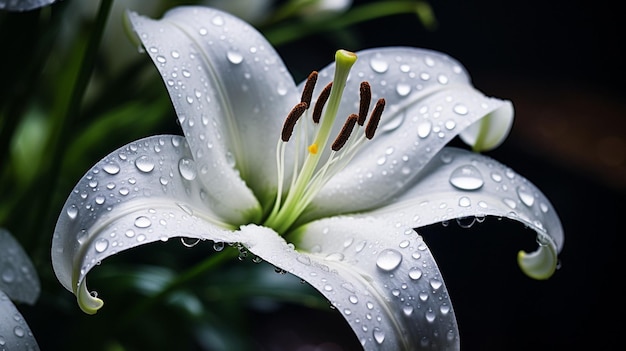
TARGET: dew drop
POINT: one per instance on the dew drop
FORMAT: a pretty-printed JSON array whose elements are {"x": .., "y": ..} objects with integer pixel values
[
  {"x": 304, "y": 260},
  {"x": 187, "y": 168},
  {"x": 430, "y": 316},
  {"x": 379, "y": 335},
  {"x": 218, "y": 246},
  {"x": 460, "y": 109},
  {"x": 415, "y": 273},
  {"x": 408, "y": 310},
  {"x": 189, "y": 242},
  {"x": 8, "y": 275},
  {"x": 101, "y": 245},
  {"x": 19, "y": 331},
  {"x": 403, "y": 89},
  {"x": 435, "y": 284},
  {"x": 72, "y": 211},
  {"x": 142, "y": 222},
  {"x": 234, "y": 57},
  {"x": 424, "y": 128},
  {"x": 111, "y": 168},
  {"x": 353, "y": 299},
  {"x": 466, "y": 177},
  {"x": 218, "y": 21},
  {"x": 161, "y": 59},
  {"x": 465, "y": 201},
  {"x": 379, "y": 66},
  {"x": 388, "y": 260},
  {"x": 144, "y": 164},
  {"x": 525, "y": 195}
]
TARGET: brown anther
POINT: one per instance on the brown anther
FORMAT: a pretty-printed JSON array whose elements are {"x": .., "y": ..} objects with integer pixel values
[
  {"x": 372, "y": 124},
  {"x": 346, "y": 130},
  {"x": 307, "y": 92},
  {"x": 292, "y": 118},
  {"x": 321, "y": 101},
  {"x": 364, "y": 105}
]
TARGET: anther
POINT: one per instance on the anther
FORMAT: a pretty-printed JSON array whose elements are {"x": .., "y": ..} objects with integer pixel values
[
  {"x": 307, "y": 92},
  {"x": 346, "y": 130},
  {"x": 321, "y": 101},
  {"x": 372, "y": 124},
  {"x": 292, "y": 118},
  {"x": 364, "y": 105}
]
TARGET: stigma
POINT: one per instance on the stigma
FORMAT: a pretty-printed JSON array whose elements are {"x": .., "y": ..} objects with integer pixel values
[{"x": 313, "y": 167}]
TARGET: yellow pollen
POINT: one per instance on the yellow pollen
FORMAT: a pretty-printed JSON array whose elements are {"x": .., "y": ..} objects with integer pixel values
[{"x": 313, "y": 148}]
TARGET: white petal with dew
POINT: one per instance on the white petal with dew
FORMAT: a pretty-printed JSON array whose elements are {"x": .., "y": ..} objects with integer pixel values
[
  {"x": 421, "y": 116},
  {"x": 458, "y": 184},
  {"x": 141, "y": 193},
  {"x": 229, "y": 87},
  {"x": 15, "y": 334},
  {"x": 18, "y": 277},
  {"x": 383, "y": 279}
]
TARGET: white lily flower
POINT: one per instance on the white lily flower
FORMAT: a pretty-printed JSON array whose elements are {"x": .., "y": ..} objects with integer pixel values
[
  {"x": 248, "y": 171},
  {"x": 18, "y": 282}
]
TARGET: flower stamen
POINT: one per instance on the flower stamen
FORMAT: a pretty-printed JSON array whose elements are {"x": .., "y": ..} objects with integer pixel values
[
  {"x": 310, "y": 176},
  {"x": 364, "y": 102},
  {"x": 307, "y": 92},
  {"x": 321, "y": 101},
  {"x": 346, "y": 130},
  {"x": 290, "y": 122},
  {"x": 372, "y": 124}
]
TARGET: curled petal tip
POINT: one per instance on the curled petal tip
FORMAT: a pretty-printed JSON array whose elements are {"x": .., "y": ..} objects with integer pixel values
[
  {"x": 88, "y": 302},
  {"x": 539, "y": 264}
]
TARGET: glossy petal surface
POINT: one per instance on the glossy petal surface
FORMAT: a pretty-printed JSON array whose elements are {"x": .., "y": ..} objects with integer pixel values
[
  {"x": 382, "y": 278},
  {"x": 429, "y": 101},
  {"x": 228, "y": 86},
  {"x": 146, "y": 191},
  {"x": 18, "y": 277},
  {"x": 14, "y": 331},
  {"x": 461, "y": 184}
]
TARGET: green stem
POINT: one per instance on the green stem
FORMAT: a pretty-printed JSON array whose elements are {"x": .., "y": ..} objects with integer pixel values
[
  {"x": 60, "y": 135},
  {"x": 289, "y": 32}
]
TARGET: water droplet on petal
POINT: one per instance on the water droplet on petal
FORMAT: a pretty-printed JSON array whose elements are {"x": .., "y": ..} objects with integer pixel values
[
  {"x": 424, "y": 128},
  {"x": 378, "y": 65},
  {"x": 19, "y": 331},
  {"x": 415, "y": 273},
  {"x": 8, "y": 275},
  {"x": 436, "y": 284},
  {"x": 525, "y": 195},
  {"x": 144, "y": 164},
  {"x": 465, "y": 201},
  {"x": 379, "y": 335},
  {"x": 466, "y": 177},
  {"x": 218, "y": 246},
  {"x": 403, "y": 89},
  {"x": 388, "y": 259},
  {"x": 218, "y": 21},
  {"x": 189, "y": 242},
  {"x": 187, "y": 168},
  {"x": 234, "y": 57},
  {"x": 111, "y": 168},
  {"x": 101, "y": 245},
  {"x": 72, "y": 211},
  {"x": 460, "y": 109},
  {"x": 142, "y": 222}
]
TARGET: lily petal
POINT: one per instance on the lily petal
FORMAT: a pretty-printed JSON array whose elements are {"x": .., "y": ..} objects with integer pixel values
[
  {"x": 461, "y": 184},
  {"x": 23, "y": 5},
  {"x": 429, "y": 103},
  {"x": 145, "y": 191},
  {"x": 18, "y": 277},
  {"x": 14, "y": 331},
  {"x": 228, "y": 86},
  {"x": 383, "y": 279}
]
